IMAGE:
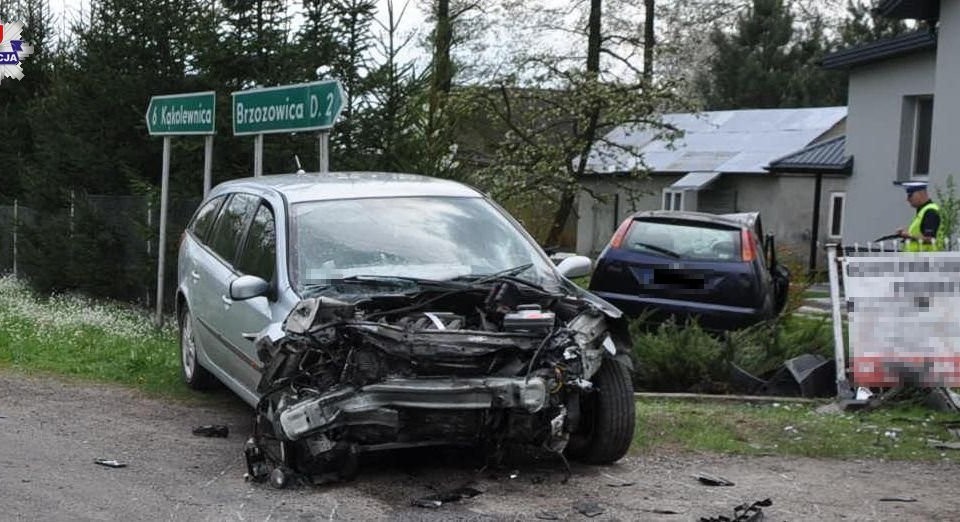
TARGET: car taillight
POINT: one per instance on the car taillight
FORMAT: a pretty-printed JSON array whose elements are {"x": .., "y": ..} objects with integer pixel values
[
  {"x": 621, "y": 233},
  {"x": 748, "y": 245}
]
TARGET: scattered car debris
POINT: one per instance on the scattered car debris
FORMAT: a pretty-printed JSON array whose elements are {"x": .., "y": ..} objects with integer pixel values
[
  {"x": 212, "y": 430},
  {"x": 588, "y": 508},
  {"x": 743, "y": 513},
  {"x": 808, "y": 375},
  {"x": 110, "y": 463},
  {"x": 712, "y": 480},
  {"x": 445, "y": 497},
  {"x": 898, "y": 499},
  {"x": 547, "y": 515},
  {"x": 618, "y": 482},
  {"x": 662, "y": 511},
  {"x": 939, "y": 444}
]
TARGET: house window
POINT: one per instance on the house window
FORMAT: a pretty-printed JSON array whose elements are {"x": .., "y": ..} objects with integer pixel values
[
  {"x": 916, "y": 131},
  {"x": 923, "y": 125},
  {"x": 836, "y": 214},
  {"x": 672, "y": 199}
]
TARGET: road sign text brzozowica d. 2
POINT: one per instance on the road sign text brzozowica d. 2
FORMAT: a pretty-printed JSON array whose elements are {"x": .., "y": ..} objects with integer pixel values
[
  {"x": 287, "y": 108},
  {"x": 182, "y": 114}
]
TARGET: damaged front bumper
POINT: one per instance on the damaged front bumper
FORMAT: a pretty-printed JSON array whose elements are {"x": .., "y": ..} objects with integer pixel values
[{"x": 377, "y": 403}]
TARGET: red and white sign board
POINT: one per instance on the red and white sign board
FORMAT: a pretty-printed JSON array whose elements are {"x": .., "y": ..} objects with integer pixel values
[{"x": 904, "y": 318}]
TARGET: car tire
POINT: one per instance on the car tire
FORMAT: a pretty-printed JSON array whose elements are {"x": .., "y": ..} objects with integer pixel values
[
  {"x": 194, "y": 375},
  {"x": 608, "y": 417}
]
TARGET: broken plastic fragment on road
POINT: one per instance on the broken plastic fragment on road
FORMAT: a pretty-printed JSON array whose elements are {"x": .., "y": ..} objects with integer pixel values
[
  {"x": 110, "y": 463},
  {"x": 712, "y": 480},
  {"x": 743, "y": 513},
  {"x": 212, "y": 430},
  {"x": 445, "y": 497}
]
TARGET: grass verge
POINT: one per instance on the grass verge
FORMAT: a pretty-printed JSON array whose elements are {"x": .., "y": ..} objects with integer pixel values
[
  {"x": 899, "y": 433},
  {"x": 78, "y": 337}
]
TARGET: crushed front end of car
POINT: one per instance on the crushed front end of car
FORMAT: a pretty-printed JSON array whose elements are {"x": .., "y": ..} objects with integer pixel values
[{"x": 478, "y": 366}]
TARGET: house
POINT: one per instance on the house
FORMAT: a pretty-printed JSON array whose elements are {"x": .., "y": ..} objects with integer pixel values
[
  {"x": 904, "y": 115},
  {"x": 787, "y": 163}
]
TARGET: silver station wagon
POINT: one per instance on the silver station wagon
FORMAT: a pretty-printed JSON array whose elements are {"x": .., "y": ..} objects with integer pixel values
[{"x": 360, "y": 312}]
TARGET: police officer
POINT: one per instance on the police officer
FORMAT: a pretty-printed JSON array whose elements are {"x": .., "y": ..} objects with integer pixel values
[{"x": 924, "y": 233}]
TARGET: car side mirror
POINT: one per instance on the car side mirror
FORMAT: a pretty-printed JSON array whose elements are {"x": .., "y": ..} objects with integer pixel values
[
  {"x": 248, "y": 287},
  {"x": 575, "y": 266}
]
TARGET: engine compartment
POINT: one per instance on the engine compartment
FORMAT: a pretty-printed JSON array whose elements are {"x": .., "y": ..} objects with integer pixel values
[{"x": 479, "y": 365}]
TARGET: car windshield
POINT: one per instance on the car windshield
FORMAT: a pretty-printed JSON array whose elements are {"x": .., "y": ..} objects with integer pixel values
[
  {"x": 685, "y": 240},
  {"x": 436, "y": 238}
]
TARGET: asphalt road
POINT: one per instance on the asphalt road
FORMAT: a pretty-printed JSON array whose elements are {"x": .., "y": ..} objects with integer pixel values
[{"x": 52, "y": 431}]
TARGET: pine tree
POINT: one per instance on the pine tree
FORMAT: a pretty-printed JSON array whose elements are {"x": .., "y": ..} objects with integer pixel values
[
  {"x": 751, "y": 68},
  {"x": 336, "y": 42},
  {"x": 862, "y": 25}
]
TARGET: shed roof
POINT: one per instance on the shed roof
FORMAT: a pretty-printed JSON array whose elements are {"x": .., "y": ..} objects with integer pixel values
[
  {"x": 737, "y": 141},
  {"x": 828, "y": 156}
]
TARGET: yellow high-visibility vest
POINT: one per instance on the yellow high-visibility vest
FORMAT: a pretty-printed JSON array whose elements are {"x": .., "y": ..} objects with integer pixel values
[{"x": 914, "y": 230}]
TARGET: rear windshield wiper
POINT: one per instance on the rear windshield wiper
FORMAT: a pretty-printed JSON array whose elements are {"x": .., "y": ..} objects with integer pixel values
[{"x": 658, "y": 249}]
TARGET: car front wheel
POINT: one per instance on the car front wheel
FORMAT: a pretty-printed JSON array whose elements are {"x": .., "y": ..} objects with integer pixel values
[
  {"x": 607, "y": 417},
  {"x": 194, "y": 375}
]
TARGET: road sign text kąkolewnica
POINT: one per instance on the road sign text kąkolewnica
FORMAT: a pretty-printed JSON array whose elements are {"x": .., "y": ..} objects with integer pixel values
[
  {"x": 287, "y": 108},
  {"x": 182, "y": 114}
]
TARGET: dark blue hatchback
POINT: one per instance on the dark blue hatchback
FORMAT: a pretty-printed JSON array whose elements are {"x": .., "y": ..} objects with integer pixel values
[{"x": 689, "y": 264}]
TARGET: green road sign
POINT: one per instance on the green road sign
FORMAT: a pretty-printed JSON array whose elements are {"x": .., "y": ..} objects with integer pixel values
[
  {"x": 181, "y": 114},
  {"x": 287, "y": 108}
]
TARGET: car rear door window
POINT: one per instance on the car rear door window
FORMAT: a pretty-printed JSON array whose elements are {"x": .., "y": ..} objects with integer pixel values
[
  {"x": 684, "y": 240},
  {"x": 258, "y": 256},
  {"x": 200, "y": 224},
  {"x": 230, "y": 225}
]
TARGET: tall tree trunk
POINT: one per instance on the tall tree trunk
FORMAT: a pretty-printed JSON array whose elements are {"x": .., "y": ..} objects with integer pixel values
[
  {"x": 593, "y": 39},
  {"x": 442, "y": 78},
  {"x": 648, "y": 39},
  {"x": 569, "y": 194}
]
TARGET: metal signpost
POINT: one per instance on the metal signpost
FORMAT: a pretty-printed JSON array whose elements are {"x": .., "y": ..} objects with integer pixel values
[
  {"x": 300, "y": 107},
  {"x": 179, "y": 115}
]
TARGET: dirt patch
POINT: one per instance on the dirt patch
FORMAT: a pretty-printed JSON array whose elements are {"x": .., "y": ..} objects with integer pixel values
[{"x": 52, "y": 431}]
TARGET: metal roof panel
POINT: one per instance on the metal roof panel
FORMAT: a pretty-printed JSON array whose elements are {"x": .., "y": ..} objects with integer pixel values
[{"x": 723, "y": 141}]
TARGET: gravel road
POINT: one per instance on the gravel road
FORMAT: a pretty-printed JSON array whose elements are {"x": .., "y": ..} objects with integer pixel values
[{"x": 51, "y": 432}]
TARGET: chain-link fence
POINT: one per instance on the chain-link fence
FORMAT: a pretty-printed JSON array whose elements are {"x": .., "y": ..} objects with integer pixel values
[{"x": 100, "y": 245}]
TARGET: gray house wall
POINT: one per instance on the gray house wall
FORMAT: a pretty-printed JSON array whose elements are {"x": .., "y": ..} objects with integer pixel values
[
  {"x": 945, "y": 144},
  {"x": 597, "y": 219},
  {"x": 876, "y": 119},
  {"x": 785, "y": 203}
]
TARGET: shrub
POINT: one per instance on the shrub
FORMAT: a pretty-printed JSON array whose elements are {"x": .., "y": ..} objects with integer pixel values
[{"x": 674, "y": 357}]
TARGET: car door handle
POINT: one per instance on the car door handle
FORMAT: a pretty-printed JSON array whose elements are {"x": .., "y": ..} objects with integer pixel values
[{"x": 195, "y": 275}]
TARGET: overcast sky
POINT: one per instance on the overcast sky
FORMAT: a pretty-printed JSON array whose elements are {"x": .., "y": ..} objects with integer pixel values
[{"x": 67, "y": 10}]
